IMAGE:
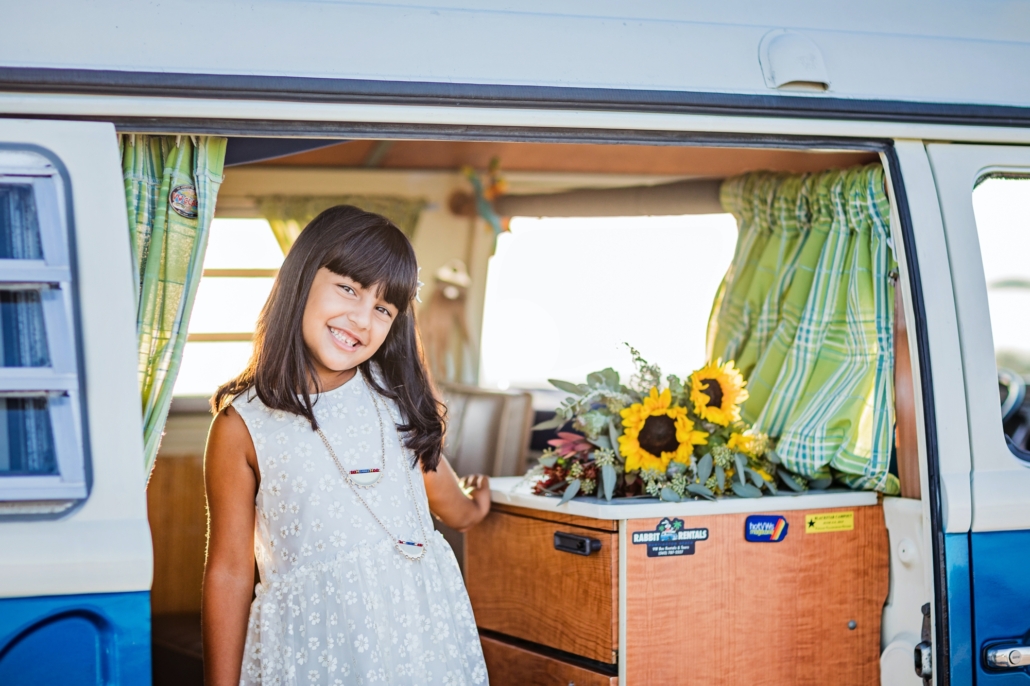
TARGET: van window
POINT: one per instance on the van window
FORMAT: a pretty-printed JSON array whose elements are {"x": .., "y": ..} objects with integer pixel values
[
  {"x": 41, "y": 451},
  {"x": 1002, "y": 209},
  {"x": 564, "y": 294},
  {"x": 240, "y": 265}
]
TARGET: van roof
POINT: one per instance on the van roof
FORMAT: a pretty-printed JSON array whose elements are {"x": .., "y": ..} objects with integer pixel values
[{"x": 883, "y": 58}]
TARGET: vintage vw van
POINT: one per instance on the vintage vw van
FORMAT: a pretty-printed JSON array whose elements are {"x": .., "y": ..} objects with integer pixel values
[{"x": 584, "y": 101}]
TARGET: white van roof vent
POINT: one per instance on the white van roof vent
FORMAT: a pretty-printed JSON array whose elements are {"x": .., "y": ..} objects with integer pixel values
[{"x": 791, "y": 61}]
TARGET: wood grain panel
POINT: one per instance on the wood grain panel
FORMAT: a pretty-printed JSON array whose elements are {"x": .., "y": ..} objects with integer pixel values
[
  {"x": 522, "y": 587},
  {"x": 763, "y": 614},
  {"x": 575, "y": 158},
  {"x": 559, "y": 517},
  {"x": 178, "y": 523},
  {"x": 510, "y": 665}
]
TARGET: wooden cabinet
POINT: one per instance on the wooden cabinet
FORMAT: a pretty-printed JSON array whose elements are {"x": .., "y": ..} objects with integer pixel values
[
  {"x": 521, "y": 586},
  {"x": 512, "y": 664},
  {"x": 802, "y": 610}
]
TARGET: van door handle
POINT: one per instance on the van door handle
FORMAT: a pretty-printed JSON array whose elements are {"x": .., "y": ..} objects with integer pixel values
[
  {"x": 578, "y": 545},
  {"x": 1008, "y": 657}
]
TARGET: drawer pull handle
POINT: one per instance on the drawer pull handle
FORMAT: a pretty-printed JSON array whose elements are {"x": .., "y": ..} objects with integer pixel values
[{"x": 578, "y": 545}]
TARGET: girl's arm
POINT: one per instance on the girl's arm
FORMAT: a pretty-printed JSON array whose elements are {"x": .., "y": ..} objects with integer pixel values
[
  {"x": 448, "y": 499},
  {"x": 231, "y": 476}
]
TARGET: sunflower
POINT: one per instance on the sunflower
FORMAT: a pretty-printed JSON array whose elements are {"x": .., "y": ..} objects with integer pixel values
[
  {"x": 717, "y": 390},
  {"x": 656, "y": 432},
  {"x": 742, "y": 443}
]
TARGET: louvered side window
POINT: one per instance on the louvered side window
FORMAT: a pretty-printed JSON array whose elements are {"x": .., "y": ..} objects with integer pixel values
[{"x": 41, "y": 450}]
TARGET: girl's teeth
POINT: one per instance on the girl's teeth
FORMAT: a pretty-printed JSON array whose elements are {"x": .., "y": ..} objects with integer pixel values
[{"x": 345, "y": 339}]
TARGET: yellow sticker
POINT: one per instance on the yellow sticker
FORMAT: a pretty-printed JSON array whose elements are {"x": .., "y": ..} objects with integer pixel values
[{"x": 831, "y": 521}]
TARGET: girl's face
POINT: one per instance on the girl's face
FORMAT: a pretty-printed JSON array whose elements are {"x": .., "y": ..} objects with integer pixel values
[{"x": 344, "y": 323}]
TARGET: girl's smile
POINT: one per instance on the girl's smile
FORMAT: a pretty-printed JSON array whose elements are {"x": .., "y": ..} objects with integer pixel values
[{"x": 346, "y": 339}]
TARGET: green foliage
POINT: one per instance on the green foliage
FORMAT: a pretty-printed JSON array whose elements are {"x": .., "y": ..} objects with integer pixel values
[
  {"x": 712, "y": 470},
  {"x": 570, "y": 492}
]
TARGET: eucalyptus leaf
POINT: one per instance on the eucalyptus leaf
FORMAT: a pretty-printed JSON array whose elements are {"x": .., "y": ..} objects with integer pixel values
[
  {"x": 772, "y": 487},
  {"x": 568, "y": 387},
  {"x": 788, "y": 479},
  {"x": 554, "y": 422},
  {"x": 704, "y": 468},
  {"x": 613, "y": 434},
  {"x": 669, "y": 495},
  {"x": 741, "y": 463},
  {"x": 720, "y": 476},
  {"x": 820, "y": 484},
  {"x": 548, "y": 460},
  {"x": 611, "y": 378},
  {"x": 601, "y": 441},
  {"x": 746, "y": 490},
  {"x": 595, "y": 379},
  {"x": 756, "y": 478},
  {"x": 608, "y": 478},
  {"x": 698, "y": 489},
  {"x": 773, "y": 456},
  {"x": 570, "y": 492}
]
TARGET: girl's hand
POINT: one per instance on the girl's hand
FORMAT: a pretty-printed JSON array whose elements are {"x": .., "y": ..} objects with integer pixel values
[
  {"x": 458, "y": 504},
  {"x": 477, "y": 487}
]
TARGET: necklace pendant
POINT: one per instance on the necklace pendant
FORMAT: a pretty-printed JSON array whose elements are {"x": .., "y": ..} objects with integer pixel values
[
  {"x": 365, "y": 477},
  {"x": 411, "y": 549}
]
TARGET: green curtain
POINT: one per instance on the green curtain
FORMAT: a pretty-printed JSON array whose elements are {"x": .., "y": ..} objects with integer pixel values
[
  {"x": 171, "y": 183},
  {"x": 288, "y": 215},
  {"x": 807, "y": 310}
]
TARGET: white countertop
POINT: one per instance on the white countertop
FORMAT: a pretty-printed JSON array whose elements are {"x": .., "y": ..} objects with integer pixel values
[{"x": 517, "y": 491}]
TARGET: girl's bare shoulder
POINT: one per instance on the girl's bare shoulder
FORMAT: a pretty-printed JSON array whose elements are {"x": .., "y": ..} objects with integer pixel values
[{"x": 229, "y": 436}]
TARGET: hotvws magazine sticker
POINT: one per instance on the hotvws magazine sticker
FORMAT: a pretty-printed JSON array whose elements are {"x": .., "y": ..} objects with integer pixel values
[
  {"x": 669, "y": 539},
  {"x": 183, "y": 200},
  {"x": 765, "y": 528}
]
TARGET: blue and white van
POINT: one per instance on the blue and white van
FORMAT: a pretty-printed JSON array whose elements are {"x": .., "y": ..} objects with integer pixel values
[{"x": 939, "y": 94}]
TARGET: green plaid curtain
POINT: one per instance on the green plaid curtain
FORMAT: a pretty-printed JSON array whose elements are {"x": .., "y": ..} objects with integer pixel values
[
  {"x": 807, "y": 310},
  {"x": 171, "y": 183}
]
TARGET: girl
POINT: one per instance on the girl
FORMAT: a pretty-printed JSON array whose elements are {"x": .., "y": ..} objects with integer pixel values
[{"x": 323, "y": 464}]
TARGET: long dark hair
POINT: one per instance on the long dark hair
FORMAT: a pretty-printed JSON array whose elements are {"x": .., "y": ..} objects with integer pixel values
[{"x": 371, "y": 250}]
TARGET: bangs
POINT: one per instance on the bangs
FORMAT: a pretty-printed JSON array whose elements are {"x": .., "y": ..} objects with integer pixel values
[{"x": 379, "y": 257}]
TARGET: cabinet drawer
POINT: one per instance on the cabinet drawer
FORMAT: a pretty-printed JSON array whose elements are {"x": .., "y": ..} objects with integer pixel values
[
  {"x": 521, "y": 586},
  {"x": 515, "y": 666}
]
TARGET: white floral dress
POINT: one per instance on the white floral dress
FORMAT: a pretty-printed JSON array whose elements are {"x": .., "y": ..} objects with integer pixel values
[{"x": 338, "y": 603}]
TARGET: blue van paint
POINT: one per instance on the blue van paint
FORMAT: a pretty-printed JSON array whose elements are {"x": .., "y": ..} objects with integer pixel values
[
  {"x": 1001, "y": 596},
  {"x": 98, "y": 639},
  {"x": 960, "y": 609}
]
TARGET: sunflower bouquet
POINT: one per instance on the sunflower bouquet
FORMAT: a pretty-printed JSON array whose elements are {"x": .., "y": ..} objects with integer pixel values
[{"x": 665, "y": 438}]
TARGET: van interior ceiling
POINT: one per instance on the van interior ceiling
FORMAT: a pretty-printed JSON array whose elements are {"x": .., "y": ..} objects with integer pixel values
[{"x": 490, "y": 429}]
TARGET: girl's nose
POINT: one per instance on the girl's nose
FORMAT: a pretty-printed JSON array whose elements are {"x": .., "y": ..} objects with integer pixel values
[{"x": 360, "y": 317}]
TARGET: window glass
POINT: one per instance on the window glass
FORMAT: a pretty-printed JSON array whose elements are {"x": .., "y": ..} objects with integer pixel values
[
  {"x": 206, "y": 366},
  {"x": 239, "y": 265},
  {"x": 1002, "y": 208},
  {"x": 229, "y": 304},
  {"x": 564, "y": 294},
  {"x": 242, "y": 244},
  {"x": 19, "y": 225},
  {"x": 22, "y": 332},
  {"x": 40, "y": 403},
  {"x": 26, "y": 437}
]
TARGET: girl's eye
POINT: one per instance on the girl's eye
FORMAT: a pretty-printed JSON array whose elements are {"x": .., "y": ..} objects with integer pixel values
[
  {"x": 384, "y": 311},
  {"x": 346, "y": 288}
]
